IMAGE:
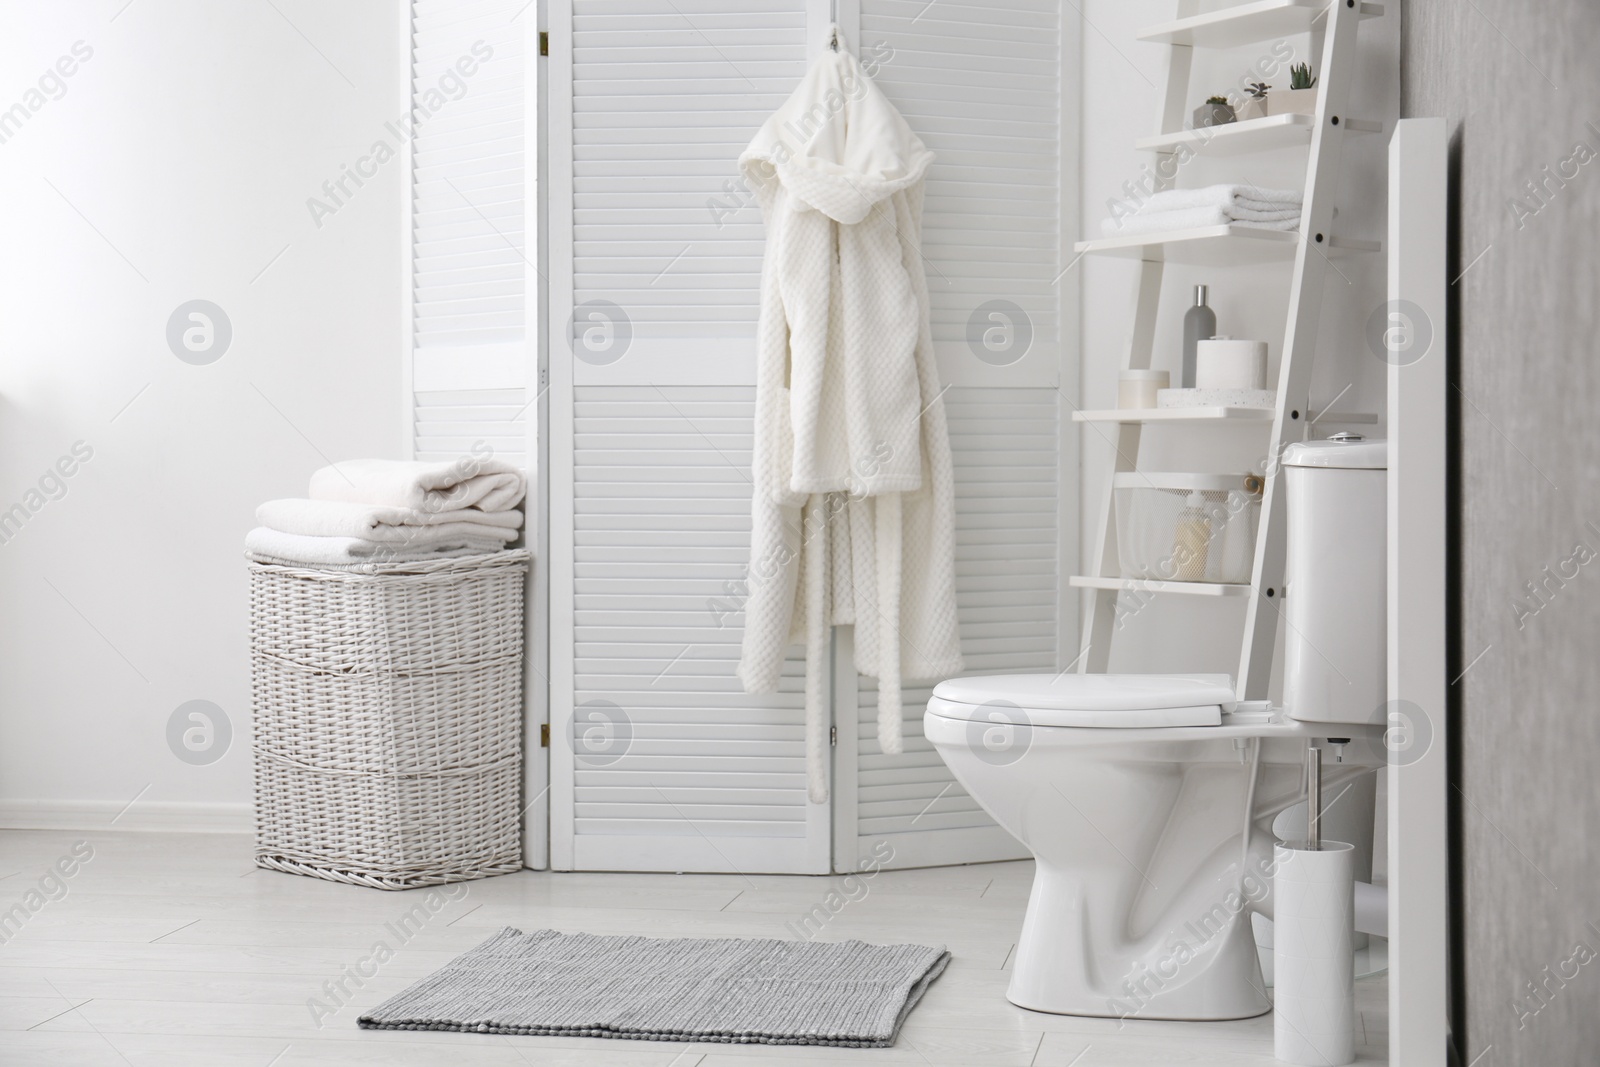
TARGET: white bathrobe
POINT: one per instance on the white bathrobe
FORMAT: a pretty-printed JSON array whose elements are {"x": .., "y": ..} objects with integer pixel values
[{"x": 853, "y": 518}]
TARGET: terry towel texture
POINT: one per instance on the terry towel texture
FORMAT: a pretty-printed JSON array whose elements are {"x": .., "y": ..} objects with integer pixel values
[
  {"x": 381, "y": 510},
  {"x": 1224, "y": 196},
  {"x": 1193, "y": 218},
  {"x": 1213, "y": 205},
  {"x": 372, "y": 522},
  {"x": 853, "y": 513},
  {"x": 293, "y": 549},
  {"x": 763, "y": 991},
  {"x": 484, "y": 483}
]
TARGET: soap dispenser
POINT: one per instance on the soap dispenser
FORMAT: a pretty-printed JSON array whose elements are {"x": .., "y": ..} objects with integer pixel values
[{"x": 1199, "y": 324}]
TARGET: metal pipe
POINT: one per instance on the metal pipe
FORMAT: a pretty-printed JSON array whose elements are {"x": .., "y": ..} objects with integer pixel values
[{"x": 1314, "y": 795}]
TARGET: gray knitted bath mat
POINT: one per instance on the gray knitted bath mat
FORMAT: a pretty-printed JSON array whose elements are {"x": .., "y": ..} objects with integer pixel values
[{"x": 680, "y": 989}]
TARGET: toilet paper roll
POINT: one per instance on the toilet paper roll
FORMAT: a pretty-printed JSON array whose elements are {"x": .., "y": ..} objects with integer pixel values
[
  {"x": 1228, "y": 363},
  {"x": 1314, "y": 990}
]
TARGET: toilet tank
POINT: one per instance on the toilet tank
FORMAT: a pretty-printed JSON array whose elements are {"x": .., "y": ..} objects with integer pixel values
[{"x": 1334, "y": 591}]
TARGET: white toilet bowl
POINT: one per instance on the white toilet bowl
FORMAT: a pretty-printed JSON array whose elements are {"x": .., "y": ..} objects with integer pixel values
[{"x": 1130, "y": 790}]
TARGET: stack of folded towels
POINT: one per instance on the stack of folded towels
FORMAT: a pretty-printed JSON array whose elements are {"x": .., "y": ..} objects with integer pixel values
[
  {"x": 382, "y": 510},
  {"x": 1215, "y": 205}
]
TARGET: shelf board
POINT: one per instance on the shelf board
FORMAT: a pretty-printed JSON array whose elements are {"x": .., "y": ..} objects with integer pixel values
[
  {"x": 1194, "y": 414},
  {"x": 1081, "y": 581},
  {"x": 1233, "y": 138},
  {"x": 1210, "y": 246},
  {"x": 1251, "y": 135},
  {"x": 1228, "y": 245},
  {"x": 1244, "y": 24}
]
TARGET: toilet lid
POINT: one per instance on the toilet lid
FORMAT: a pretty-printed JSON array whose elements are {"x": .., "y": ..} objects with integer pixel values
[{"x": 1123, "y": 701}]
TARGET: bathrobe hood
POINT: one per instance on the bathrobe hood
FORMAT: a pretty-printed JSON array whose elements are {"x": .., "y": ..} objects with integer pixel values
[{"x": 837, "y": 144}]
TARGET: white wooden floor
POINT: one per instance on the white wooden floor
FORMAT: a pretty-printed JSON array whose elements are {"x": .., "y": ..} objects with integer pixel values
[{"x": 171, "y": 950}]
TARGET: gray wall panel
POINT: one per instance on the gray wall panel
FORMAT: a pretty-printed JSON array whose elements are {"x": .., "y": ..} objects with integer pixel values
[{"x": 1520, "y": 86}]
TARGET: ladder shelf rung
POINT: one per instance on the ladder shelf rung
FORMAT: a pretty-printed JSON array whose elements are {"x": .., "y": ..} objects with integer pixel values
[
  {"x": 1250, "y": 135},
  {"x": 1195, "y": 414},
  {"x": 1220, "y": 414},
  {"x": 1244, "y": 24},
  {"x": 1212, "y": 589},
  {"x": 1214, "y": 246}
]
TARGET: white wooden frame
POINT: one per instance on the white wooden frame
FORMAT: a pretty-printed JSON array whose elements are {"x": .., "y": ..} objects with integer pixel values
[
  {"x": 408, "y": 293},
  {"x": 498, "y": 364},
  {"x": 557, "y": 158},
  {"x": 536, "y": 360},
  {"x": 1069, "y": 395},
  {"x": 1418, "y": 816}
]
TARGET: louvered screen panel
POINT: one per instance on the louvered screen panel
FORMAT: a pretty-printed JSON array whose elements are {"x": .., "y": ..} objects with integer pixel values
[
  {"x": 980, "y": 83},
  {"x": 665, "y": 96},
  {"x": 690, "y": 773},
  {"x": 666, "y": 246},
  {"x": 1007, "y": 533},
  {"x": 469, "y": 252},
  {"x": 454, "y": 423}
]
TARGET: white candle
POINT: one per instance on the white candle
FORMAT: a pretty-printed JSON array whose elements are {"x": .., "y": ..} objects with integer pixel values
[
  {"x": 1230, "y": 363},
  {"x": 1138, "y": 388}
]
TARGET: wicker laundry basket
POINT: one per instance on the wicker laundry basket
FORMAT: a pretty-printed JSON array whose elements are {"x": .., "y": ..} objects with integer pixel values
[{"x": 388, "y": 719}]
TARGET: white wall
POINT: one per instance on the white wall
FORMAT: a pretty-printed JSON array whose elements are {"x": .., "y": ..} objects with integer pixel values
[
  {"x": 175, "y": 165},
  {"x": 1122, "y": 81}
]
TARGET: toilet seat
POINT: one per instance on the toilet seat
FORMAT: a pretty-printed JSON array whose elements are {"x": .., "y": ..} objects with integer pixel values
[{"x": 1102, "y": 701}]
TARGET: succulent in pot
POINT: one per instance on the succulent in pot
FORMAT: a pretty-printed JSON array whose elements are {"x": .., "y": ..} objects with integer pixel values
[
  {"x": 1254, "y": 105},
  {"x": 1214, "y": 112},
  {"x": 1301, "y": 96}
]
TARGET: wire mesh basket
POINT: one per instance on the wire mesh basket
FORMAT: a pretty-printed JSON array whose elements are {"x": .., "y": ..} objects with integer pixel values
[{"x": 1187, "y": 527}]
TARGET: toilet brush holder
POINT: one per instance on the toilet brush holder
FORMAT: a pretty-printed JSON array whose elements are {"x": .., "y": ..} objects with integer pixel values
[{"x": 1313, "y": 968}]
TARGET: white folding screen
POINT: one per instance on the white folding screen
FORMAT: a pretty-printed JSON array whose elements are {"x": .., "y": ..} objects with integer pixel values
[
  {"x": 659, "y": 761},
  {"x": 469, "y": 131},
  {"x": 469, "y": 140},
  {"x": 982, "y": 85},
  {"x": 664, "y": 764}
]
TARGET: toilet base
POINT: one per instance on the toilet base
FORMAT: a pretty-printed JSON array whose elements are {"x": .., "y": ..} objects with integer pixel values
[
  {"x": 1145, "y": 1016},
  {"x": 1202, "y": 967}
]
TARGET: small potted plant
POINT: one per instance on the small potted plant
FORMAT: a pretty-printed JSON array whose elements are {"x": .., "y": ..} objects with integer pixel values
[
  {"x": 1255, "y": 102},
  {"x": 1214, "y": 112},
  {"x": 1301, "y": 96}
]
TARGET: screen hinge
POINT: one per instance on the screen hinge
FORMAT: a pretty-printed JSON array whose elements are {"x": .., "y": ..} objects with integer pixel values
[
  {"x": 544, "y": 735},
  {"x": 833, "y": 735},
  {"x": 544, "y": 42}
]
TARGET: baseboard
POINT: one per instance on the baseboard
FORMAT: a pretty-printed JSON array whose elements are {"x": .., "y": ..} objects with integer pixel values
[{"x": 157, "y": 816}]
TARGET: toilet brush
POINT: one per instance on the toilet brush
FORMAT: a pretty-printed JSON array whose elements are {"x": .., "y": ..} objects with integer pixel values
[
  {"x": 1313, "y": 924},
  {"x": 1313, "y": 796}
]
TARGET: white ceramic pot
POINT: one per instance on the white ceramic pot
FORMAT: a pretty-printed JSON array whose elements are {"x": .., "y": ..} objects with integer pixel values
[{"x": 1292, "y": 101}]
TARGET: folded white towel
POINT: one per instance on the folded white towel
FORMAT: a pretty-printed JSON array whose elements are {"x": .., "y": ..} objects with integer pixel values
[
  {"x": 1223, "y": 196},
  {"x": 471, "y": 482},
  {"x": 341, "y": 551},
  {"x": 1189, "y": 219},
  {"x": 1240, "y": 213},
  {"x": 375, "y": 522}
]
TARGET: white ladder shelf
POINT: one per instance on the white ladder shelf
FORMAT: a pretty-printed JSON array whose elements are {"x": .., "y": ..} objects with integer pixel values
[{"x": 1323, "y": 133}]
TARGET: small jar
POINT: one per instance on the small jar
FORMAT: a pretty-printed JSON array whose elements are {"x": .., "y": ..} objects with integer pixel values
[{"x": 1138, "y": 388}]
